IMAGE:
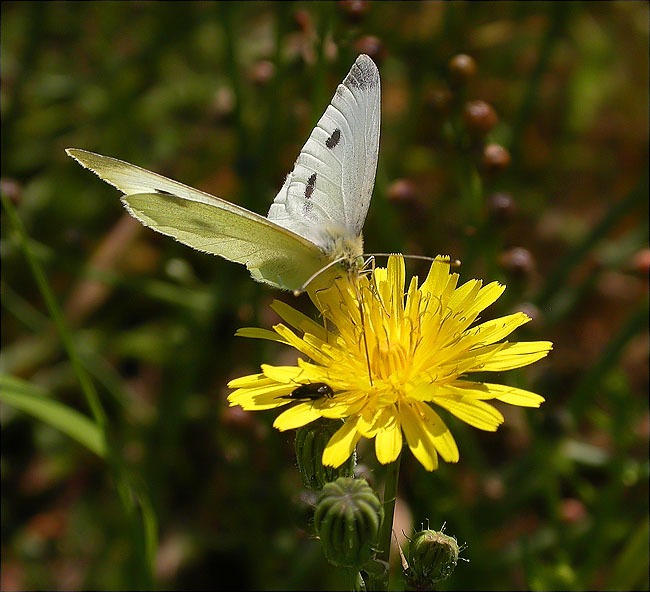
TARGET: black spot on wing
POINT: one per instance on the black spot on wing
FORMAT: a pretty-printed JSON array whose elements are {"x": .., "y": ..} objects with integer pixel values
[
  {"x": 163, "y": 192},
  {"x": 334, "y": 139},
  {"x": 311, "y": 183},
  {"x": 363, "y": 74}
]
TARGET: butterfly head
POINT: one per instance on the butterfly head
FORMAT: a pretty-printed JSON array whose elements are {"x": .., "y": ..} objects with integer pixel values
[
  {"x": 344, "y": 252},
  {"x": 343, "y": 247}
]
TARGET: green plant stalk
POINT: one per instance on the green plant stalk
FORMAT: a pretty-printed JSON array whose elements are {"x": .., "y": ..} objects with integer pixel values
[
  {"x": 386, "y": 530},
  {"x": 630, "y": 565},
  {"x": 92, "y": 398},
  {"x": 636, "y": 322},
  {"x": 357, "y": 583},
  {"x": 470, "y": 185},
  {"x": 558, "y": 276},
  {"x": 557, "y": 15},
  {"x": 87, "y": 387}
]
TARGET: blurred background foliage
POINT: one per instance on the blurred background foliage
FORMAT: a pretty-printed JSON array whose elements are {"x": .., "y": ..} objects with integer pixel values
[{"x": 528, "y": 162}]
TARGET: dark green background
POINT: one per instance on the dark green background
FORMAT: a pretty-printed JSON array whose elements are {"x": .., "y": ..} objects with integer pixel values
[{"x": 556, "y": 499}]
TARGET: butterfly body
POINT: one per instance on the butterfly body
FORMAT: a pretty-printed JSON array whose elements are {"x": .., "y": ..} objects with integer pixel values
[{"x": 313, "y": 229}]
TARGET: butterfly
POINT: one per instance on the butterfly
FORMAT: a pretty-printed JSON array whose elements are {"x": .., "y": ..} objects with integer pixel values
[{"x": 313, "y": 230}]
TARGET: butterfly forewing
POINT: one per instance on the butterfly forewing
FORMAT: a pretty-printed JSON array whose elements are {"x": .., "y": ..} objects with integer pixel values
[
  {"x": 131, "y": 179},
  {"x": 332, "y": 180}
]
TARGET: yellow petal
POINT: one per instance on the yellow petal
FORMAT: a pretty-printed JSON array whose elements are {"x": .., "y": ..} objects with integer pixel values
[
  {"x": 477, "y": 390},
  {"x": 515, "y": 396},
  {"x": 342, "y": 405},
  {"x": 464, "y": 295},
  {"x": 487, "y": 295},
  {"x": 417, "y": 438},
  {"x": 388, "y": 443},
  {"x": 395, "y": 285},
  {"x": 516, "y": 355},
  {"x": 258, "y": 399},
  {"x": 495, "y": 330},
  {"x": 283, "y": 374},
  {"x": 298, "y": 320},
  {"x": 370, "y": 421},
  {"x": 314, "y": 353},
  {"x": 438, "y": 432},
  {"x": 252, "y": 380},
  {"x": 255, "y": 333},
  {"x": 296, "y": 417},
  {"x": 341, "y": 444},
  {"x": 476, "y": 413},
  {"x": 459, "y": 389},
  {"x": 438, "y": 279}
]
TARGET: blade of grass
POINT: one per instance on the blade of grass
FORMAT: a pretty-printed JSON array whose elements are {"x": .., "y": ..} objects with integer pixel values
[
  {"x": 35, "y": 401},
  {"x": 630, "y": 569},
  {"x": 557, "y": 17},
  {"x": 558, "y": 277},
  {"x": 635, "y": 323},
  {"x": 145, "y": 569}
]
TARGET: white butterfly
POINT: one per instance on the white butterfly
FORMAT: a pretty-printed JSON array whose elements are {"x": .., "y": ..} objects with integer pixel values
[{"x": 316, "y": 219}]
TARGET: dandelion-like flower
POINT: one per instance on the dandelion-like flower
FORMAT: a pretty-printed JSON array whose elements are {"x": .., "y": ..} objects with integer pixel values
[{"x": 388, "y": 358}]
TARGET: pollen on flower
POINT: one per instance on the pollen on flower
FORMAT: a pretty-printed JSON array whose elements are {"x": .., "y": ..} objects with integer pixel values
[{"x": 390, "y": 355}]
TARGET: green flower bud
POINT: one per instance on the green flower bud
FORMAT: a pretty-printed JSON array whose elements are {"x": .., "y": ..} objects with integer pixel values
[
  {"x": 432, "y": 557},
  {"x": 310, "y": 444},
  {"x": 347, "y": 519}
]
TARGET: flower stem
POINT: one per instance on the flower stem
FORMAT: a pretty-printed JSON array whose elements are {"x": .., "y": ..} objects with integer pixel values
[{"x": 390, "y": 495}]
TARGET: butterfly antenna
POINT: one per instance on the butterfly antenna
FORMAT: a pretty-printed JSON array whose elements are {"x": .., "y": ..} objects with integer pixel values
[
  {"x": 312, "y": 277},
  {"x": 439, "y": 258}
]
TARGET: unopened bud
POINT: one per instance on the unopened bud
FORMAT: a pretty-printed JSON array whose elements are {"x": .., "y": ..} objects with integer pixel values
[
  {"x": 501, "y": 207},
  {"x": 462, "y": 68},
  {"x": 403, "y": 191},
  {"x": 495, "y": 158},
  {"x": 440, "y": 99},
  {"x": 518, "y": 262},
  {"x": 641, "y": 261},
  {"x": 347, "y": 520},
  {"x": 12, "y": 189},
  {"x": 303, "y": 20},
  {"x": 531, "y": 311},
  {"x": 432, "y": 557},
  {"x": 262, "y": 72},
  {"x": 355, "y": 9},
  {"x": 372, "y": 46},
  {"x": 310, "y": 443},
  {"x": 480, "y": 117}
]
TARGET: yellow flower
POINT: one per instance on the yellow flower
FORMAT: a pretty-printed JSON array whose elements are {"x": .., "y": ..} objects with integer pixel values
[{"x": 388, "y": 357}]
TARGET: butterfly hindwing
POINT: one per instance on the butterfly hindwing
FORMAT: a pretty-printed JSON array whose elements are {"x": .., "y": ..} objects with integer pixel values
[{"x": 210, "y": 224}]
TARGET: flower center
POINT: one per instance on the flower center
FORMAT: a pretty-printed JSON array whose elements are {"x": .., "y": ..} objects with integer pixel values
[{"x": 390, "y": 362}]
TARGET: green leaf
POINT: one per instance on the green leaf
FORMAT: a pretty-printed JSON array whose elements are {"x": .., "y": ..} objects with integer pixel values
[{"x": 34, "y": 400}]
